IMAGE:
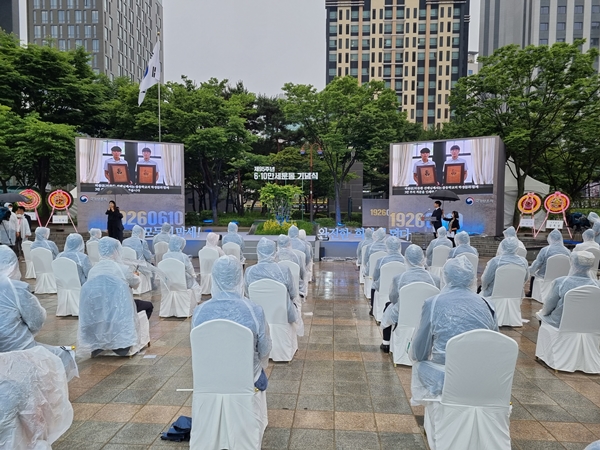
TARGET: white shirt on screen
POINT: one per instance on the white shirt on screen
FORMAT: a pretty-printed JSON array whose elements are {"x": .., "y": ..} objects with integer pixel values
[
  {"x": 421, "y": 163},
  {"x": 457, "y": 161},
  {"x": 113, "y": 161}
]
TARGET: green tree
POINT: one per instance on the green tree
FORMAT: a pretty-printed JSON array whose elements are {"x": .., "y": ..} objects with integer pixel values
[
  {"x": 280, "y": 199},
  {"x": 346, "y": 120},
  {"x": 535, "y": 99}
]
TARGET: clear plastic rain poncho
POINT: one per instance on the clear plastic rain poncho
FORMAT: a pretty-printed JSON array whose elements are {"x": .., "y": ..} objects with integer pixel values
[
  {"x": 164, "y": 235},
  {"x": 9, "y": 264},
  {"x": 368, "y": 240},
  {"x": 212, "y": 241},
  {"x": 378, "y": 245},
  {"x": 510, "y": 232},
  {"x": 107, "y": 313},
  {"x": 34, "y": 399},
  {"x": 415, "y": 272},
  {"x": 595, "y": 221},
  {"x": 286, "y": 253},
  {"x": 588, "y": 241},
  {"x": 138, "y": 242},
  {"x": 302, "y": 236},
  {"x": 508, "y": 255},
  {"x": 233, "y": 236},
  {"x": 8, "y": 229},
  {"x": 95, "y": 234},
  {"x": 393, "y": 246},
  {"x": 22, "y": 317},
  {"x": 579, "y": 275},
  {"x": 41, "y": 241},
  {"x": 176, "y": 246},
  {"x": 269, "y": 269},
  {"x": 228, "y": 302},
  {"x": 463, "y": 245},
  {"x": 441, "y": 239},
  {"x": 593, "y": 446},
  {"x": 74, "y": 248},
  {"x": 299, "y": 244},
  {"x": 556, "y": 247},
  {"x": 454, "y": 311}
]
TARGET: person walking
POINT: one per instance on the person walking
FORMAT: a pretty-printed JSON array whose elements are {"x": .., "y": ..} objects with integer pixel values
[{"x": 114, "y": 224}]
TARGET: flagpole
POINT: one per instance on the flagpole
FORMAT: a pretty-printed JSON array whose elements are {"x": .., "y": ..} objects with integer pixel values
[{"x": 159, "y": 83}]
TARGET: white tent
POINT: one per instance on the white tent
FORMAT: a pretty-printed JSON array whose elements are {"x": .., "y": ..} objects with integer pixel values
[{"x": 510, "y": 194}]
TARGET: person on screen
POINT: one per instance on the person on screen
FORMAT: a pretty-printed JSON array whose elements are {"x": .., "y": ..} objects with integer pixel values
[
  {"x": 424, "y": 161},
  {"x": 146, "y": 161},
  {"x": 455, "y": 159},
  {"x": 116, "y": 159}
]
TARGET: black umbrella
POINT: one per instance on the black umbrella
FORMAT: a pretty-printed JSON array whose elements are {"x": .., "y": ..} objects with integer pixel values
[
  {"x": 114, "y": 190},
  {"x": 13, "y": 197},
  {"x": 444, "y": 195}
]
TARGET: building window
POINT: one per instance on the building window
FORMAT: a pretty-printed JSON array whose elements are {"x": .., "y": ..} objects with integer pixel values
[
  {"x": 421, "y": 42},
  {"x": 366, "y": 15},
  {"x": 454, "y": 55},
  {"x": 454, "y": 69},
  {"x": 332, "y": 57},
  {"x": 561, "y": 10},
  {"x": 544, "y": 26},
  {"x": 332, "y": 29},
  {"x": 399, "y": 57},
  {"x": 421, "y": 56},
  {"x": 399, "y": 42},
  {"x": 364, "y": 72},
  {"x": 44, "y": 16},
  {"x": 365, "y": 44},
  {"x": 354, "y": 43},
  {"x": 560, "y": 26},
  {"x": 332, "y": 43},
  {"x": 355, "y": 15},
  {"x": 387, "y": 71},
  {"x": 545, "y": 10},
  {"x": 420, "y": 85},
  {"x": 456, "y": 26},
  {"x": 422, "y": 27},
  {"x": 354, "y": 29},
  {"x": 596, "y": 9},
  {"x": 78, "y": 43},
  {"x": 543, "y": 41},
  {"x": 354, "y": 71},
  {"x": 400, "y": 13},
  {"x": 595, "y": 25},
  {"x": 71, "y": 31},
  {"x": 332, "y": 14},
  {"x": 578, "y": 26},
  {"x": 433, "y": 27},
  {"x": 54, "y": 31},
  {"x": 579, "y": 9},
  {"x": 78, "y": 17},
  {"x": 419, "y": 113},
  {"x": 53, "y": 4},
  {"x": 95, "y": 45},
  {"x": 420, "y": 99},
  {"x": 387, "y": 43},
  {"x": 87, "y": 31},
  {"x": 389, "y": 14},
  {"x": 387, "y": 57},
  {"x": 37, "y": 31},
  {"x": 430, "y": 113},
  {"x": 594, "y": 42},
  {"x": 398, "y": 86},
  {"x": 36, "y": 4},
  {"x": 387, "y": 28},
  {"x": 420, "y": 70}
]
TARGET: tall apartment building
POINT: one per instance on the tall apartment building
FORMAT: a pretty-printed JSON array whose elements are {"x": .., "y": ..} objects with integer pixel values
[
  {"x": 538, "y": 22},
  {"x": 120, "y": 34},
  {"x": 419, "y": 48}
]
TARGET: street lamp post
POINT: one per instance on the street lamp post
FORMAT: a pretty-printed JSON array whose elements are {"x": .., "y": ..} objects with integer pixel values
[{"x": 310, "y": 195}]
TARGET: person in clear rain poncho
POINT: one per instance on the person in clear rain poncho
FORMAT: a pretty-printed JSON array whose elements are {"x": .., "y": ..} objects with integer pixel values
[
  {"x": 138, "y": 242},
  {"x": 588, "y": 242},
  {"x": 164, "y": 235},
  {"x": 95, "y": 234},
  {"x": 368, "y": 240},
  {"x": 309, "y": 267},
  {"x": 508, "y": 255},
  {"x": 41, "y": 241},
  {"x": 555, "y": 247},
  {"x": 441, "y": 239},
  {"x": 593, "y": 446},
  {"x": 415, "y": 272},
  {"x": 454, "y": 311},
  {"x": 285, "y": 252},
  {"x": 463, "y": 245},
  {"x": 74, "y": 248},
  {"x": 22, "y": 316},
  {"x": 212, "y": 241},
  {"x": 393, "y": 246},
  {"x": 233, "y": 236},
  {"x": 299, "y": 244},
  {"x": 510, "y": 232},
  {"x": 579, "y": 275},
  {"x": 378, "y": 245},
  {"x": 228, "y": 302},
  {"x": 595, "y": 221},
  {"x": 176, "y": 246},
  {"x": 269, "y": 269}
]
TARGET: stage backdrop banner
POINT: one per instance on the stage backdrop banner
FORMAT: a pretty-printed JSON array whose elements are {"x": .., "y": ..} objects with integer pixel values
[
  {"x": 151, "y": 171},
  {"x": 375, "y": 212},
  {"x": 472, "y": 168}
]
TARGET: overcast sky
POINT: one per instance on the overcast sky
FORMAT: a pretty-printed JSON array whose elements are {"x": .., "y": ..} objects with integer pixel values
[{"x": 264, "y": 43}]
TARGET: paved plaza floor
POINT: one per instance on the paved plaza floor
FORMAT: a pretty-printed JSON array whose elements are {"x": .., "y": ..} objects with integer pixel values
[{"x": 340, "y": 391}]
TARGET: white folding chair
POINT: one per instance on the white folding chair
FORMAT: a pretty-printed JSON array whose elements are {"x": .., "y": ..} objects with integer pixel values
[
  {"x": 410, "y": 303},
  {"x": 387, "y": 273},
  {"x": 295, "y": 269},
  {"x": 45, "y": 283},
  {"x": 474, "y": 409},
  {"x": 373, "y": 258},
  {"x": 272, "y": 296},
  {"x": 92, "y": 251},
  {"x": 29, "y": 270},
  {"x": 522, "y": 252},
  {"x": 233, "y": 249},
  {"x": 160, "y": 248},
  {"x": 556, "y": 266},
  {"x": 575, "y": 345},
  {"x": 207, "y": 257},
  {"x": 145, "y": 282},
  {"x": 474, "y": 260},
  {"x": 301, "y": 256},
  {"x": 227, "y": 411},
  {"x": 175, "y": 297},
  {"x": 68, "y": 285},
  {"x": 439, "y": 258},
  {"x": 507, "y": 295}
]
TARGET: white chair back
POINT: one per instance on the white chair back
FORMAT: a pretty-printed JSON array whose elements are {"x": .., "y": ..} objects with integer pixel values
[
  {"x": 295, "y": 269},
  {"x": 480, "y": 365},
  {"x": 92, "y": 251},
  {"x": 42, "y": 263},
  {"x": 508, "y": 281},
  {"x": 272, "y": 296},
  {"x": 160, "y": 248},
  {"x": 410, "y": 302},
  {"x": 386, "y": 275},
  {"x": 129, "y": 253},
  {"x": 233, "y": 249},
  {"x": 301, "y": 256},
  {"x": 580, "y": 311},
  {"x": 29, "y": 270},
  {"x": 440, "y": 256},
  {"x": 175, "y": 273},
  {"x": 473, "y": 259},
  {"x": 522, "y": 252},
  {"x": 373, "y": 261},
  {"x": 207, "y": 257},
  {"x": 68, "y": 286},
  {"x": 593, "y": 251},
  {"x": 557, "y": 266}
]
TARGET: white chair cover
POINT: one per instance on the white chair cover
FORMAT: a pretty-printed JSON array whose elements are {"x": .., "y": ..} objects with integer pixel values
[
  {"x": 369, "y": 278},
  {"x": 207, "y": 257},
  {"x": 507, "y": 295},
  {"x": 233, "y": 249},
  {"x": 272, "y": 296},
  {"x": 176, "y": 300},
  {"x": 160, "y": 248},
  {"x": 295, "y": 269},
  {"x": 593, "y": 251},
  {"x": 522, "y": 252},
  {"x": 387, "y": 273},
  {"x": 92, "y": 251},
  {"x": 68, "y": 285},
  {"x": 45, "y": 283},
  {"x": 439, "y": 258},
  {"x": 361, "y": 275},
  {"x": 227, "y": 411},
  {"x": 474, "y": 260},
  {"x": 410, "y": 303},
  {"x": 474, "y": 409},
  {"x": 557, "y": 266},
  {"x": 575, "y": 345},
  {"x": 301, "y": 255},
  {"x": 145, "y": 282},
  {"x": 29, "y": 270}
]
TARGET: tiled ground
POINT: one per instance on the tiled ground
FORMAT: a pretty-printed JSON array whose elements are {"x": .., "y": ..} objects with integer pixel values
[{"x": 339, "y": 392}]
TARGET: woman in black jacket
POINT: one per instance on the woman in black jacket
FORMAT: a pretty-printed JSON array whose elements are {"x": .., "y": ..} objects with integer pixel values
[
  {"x": 453, "y": 226},
  {"x": 114, "y": 225}
]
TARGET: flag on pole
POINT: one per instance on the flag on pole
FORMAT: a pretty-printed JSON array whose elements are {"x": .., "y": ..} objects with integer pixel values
[{"x": 152, "y": 73}]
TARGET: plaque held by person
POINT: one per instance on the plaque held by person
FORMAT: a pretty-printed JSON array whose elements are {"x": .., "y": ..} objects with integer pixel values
[
  {"x": 118, "y": 174},
  {"x": 146, "y": 174},
  {"x": 454, "y": 174},
  {"x": 426, "y": 176}
]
